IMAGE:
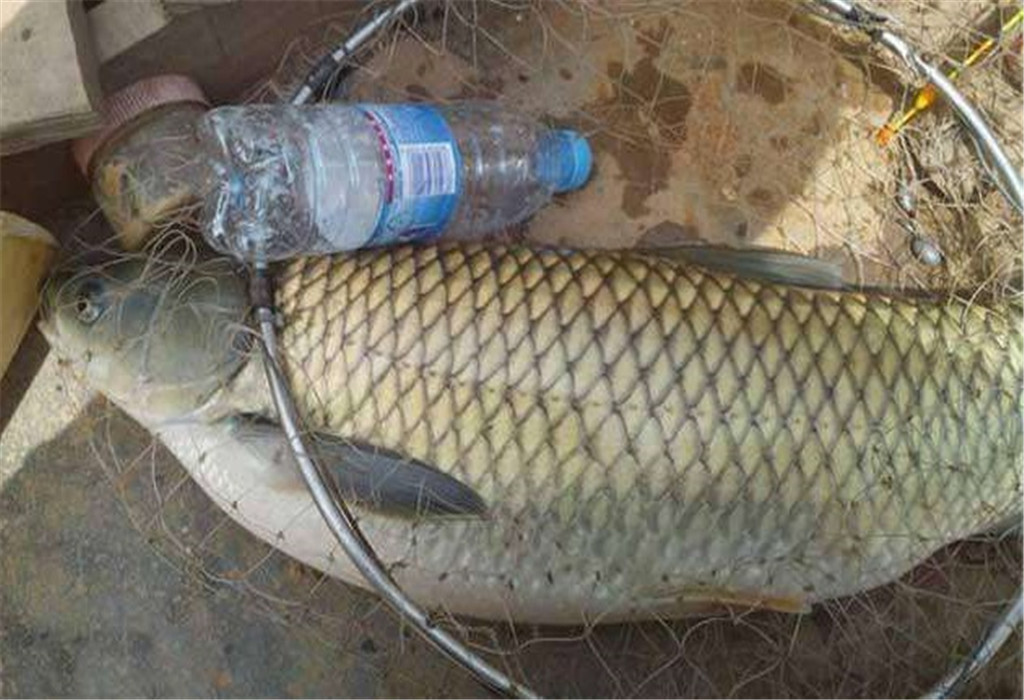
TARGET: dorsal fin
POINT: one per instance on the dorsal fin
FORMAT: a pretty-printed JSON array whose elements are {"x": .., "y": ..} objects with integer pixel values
[{"x": 764, "y": 264}]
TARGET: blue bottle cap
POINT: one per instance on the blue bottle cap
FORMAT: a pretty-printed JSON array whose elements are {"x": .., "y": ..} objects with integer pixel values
[{"x": 572, "y": 160}]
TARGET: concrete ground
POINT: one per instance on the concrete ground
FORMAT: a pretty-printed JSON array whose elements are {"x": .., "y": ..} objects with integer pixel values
[
  {"x": 106, "y": 592},
  {"x": 91, "y": 607},
  {"x": 88, "y": 609}
]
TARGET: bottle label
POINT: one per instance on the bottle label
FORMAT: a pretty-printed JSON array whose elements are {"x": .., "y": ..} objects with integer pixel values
[{"x": 423, "y": 172}]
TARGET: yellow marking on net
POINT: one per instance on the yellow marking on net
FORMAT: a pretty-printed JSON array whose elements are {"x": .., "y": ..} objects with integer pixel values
[{"x": 927, "y": 96}]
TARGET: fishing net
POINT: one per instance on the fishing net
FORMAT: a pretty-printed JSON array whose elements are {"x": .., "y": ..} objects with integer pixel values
[{"x": 743, "y": 123}]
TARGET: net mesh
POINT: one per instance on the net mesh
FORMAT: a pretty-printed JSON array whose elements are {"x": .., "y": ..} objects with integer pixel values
[{"x": 744, "y": 123}]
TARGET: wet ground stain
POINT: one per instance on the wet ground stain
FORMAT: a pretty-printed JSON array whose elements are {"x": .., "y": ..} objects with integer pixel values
[
  {"x": 704, "y": 117},
  {"x": 764, "y": 81},
  {"x": 644, "y": 99},
  {"x": 762, "y": 199}
]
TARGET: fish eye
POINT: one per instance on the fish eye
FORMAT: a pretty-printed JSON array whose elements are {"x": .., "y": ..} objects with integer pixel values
[{"x": 89, "y": 304}]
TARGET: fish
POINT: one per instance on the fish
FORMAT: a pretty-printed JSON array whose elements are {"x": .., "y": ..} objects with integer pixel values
[{"x": 572, "y": 437}]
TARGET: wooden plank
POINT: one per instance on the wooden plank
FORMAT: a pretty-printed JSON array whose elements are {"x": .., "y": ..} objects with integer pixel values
[
  {"x": 231, "y": 45},
  {"x": 26, "y": 252},
  {"x": 49, "y": 79},
  {"x": 117, "y": 25},
  {"x": 181, "y": 7}
]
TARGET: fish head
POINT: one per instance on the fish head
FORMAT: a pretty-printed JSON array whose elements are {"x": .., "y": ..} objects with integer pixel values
[{"x": 157, "y": 335}]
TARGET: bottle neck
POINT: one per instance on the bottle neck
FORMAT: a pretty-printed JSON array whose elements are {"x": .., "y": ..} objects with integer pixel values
[{"x": 563, "y": 160}]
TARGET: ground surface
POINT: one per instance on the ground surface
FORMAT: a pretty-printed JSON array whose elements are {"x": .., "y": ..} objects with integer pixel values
[
  {"x": 739, "y": 132},
  {"x": 88, "y": 609}
]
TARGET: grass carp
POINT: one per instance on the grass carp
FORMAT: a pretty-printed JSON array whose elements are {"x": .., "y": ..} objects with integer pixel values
[{"x": 564, "y": 436}]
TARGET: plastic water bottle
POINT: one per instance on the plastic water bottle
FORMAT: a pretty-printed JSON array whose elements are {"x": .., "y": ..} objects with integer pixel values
[{"x": 305, "y": 180}]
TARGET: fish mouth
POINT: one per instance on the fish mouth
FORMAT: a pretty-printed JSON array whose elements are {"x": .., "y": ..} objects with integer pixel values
[
  {"x": 45, "y": 326},
  {"x": 48, "y": 298}
]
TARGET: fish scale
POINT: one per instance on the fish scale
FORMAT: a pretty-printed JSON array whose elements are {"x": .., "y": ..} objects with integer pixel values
[{"x": 650, "y": 435}]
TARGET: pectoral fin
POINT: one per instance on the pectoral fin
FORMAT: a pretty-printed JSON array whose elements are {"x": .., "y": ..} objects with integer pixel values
[
  {"x": 765, "y": 264},
  {"x": 370, "y": 476}
]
